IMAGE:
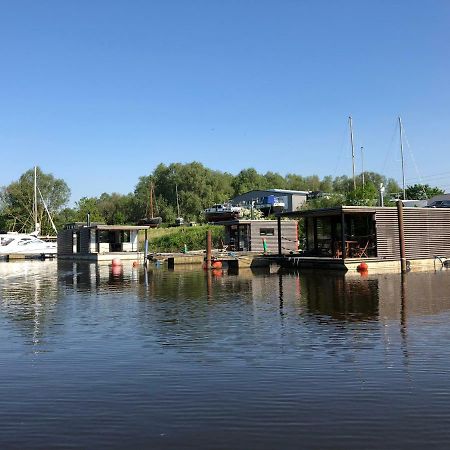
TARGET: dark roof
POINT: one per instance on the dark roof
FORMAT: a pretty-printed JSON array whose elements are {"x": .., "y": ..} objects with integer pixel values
[{"x": 120, "y": 227}]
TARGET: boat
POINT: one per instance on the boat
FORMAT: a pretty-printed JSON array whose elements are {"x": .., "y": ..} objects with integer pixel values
[
  {"x": 29, "y": 244},
  {"x": 150, "y": 219},
  {"x": 223, "y": 211},
  {"x": 270, "y": 205}
]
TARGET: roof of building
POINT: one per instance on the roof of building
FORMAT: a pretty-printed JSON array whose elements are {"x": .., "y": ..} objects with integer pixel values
[
  {"x": 120, "y": 227},
  {"x": 276, "y": 191},
  {"x": 337, "y": 210},
  {"x": 248, "y": 221}
]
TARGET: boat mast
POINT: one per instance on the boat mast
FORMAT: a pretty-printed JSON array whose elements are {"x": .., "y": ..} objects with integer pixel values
[
  {"x": 178, "y": 204},
  {"x": 35, "y": 209},
  {"x": 401, "y": 152},
  {"x": 353, "y": 150},
  {"x": 151, "y": 200},
  {"x": 362, "y": 167}
]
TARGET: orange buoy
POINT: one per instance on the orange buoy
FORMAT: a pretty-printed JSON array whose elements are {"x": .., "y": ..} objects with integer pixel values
[
  {"x": 363, "y": 267},
  {"x": 135, "y": 263},
  {"x": 216, "y": 265}
]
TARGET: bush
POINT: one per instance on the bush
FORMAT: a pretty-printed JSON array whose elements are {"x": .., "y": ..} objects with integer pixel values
[{"x": 174, "y": 239}]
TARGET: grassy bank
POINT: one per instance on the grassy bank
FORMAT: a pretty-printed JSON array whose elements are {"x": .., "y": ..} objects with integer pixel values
[{"x": 174, "y": 239}]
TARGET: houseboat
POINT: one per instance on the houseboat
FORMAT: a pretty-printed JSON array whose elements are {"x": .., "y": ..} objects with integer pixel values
[
  {"x": 343, "y": 237},
  {"x": 99, "y": 242}
]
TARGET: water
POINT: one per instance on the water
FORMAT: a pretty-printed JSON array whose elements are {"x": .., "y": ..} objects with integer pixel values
[{"x": 175, "y": 360}]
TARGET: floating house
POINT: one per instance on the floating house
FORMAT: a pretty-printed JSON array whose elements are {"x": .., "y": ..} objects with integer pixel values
[
  {"x": 344, "y": 236},
  {"x": 99, "y": 242},
  {"x": 260, "y": 235}
]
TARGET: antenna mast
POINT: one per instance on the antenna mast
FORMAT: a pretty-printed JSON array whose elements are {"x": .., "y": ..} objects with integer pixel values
[
  {"x": 353, "y": 150},
  {"x": 401, "y": 152}
]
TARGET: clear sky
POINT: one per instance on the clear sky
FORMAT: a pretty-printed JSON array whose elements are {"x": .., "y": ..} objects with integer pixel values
[{"x": 99, "y": 92}]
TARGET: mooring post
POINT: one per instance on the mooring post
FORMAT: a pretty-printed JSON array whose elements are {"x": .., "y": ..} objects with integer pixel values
[
  {"x": 401, "y": 235},
  {"x": 279, "y": 234},
  {"x": 208, "y": 249},
  {"x": 146, "y": 249}
]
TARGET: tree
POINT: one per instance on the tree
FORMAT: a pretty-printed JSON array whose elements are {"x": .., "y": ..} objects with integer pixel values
[
  {"x": 422, "y": 192},
  {"x": 18, "y": 197}
]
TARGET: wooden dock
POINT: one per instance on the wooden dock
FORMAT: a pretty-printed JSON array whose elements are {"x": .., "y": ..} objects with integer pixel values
[{"x": 20, "y": 256}]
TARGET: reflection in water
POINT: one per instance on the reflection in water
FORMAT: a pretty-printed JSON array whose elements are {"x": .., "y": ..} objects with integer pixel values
[{"x": 195, "y": 359}]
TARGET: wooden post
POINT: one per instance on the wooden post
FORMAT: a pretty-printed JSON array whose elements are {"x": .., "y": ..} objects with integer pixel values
[
  {"x": 146, "y": 249},
  {"x": 279, "y": 235},
  {"x": 208, "y": 249},
  {"x": 344, "y": 246},
  {"x": 401, "y": 235}
]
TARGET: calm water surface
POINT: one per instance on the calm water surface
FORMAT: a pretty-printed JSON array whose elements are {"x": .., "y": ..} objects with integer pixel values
[{"x": 181, "y": 359}]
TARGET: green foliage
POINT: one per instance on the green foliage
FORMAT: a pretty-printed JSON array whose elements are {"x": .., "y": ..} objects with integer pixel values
[
  {"x": 362, "y": 196},
  {"x": 17, "y": 201},
  {"x": 174, "y": 239},
  {"x": 422, "y": 192},
  {"x": 327, "y": 201},
  {"x": 88, "y": 205}
]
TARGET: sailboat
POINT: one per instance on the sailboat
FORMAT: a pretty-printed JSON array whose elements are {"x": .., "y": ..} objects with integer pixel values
[
  {"x": 29, "y": 244},
  {"x": 150, "y": 219}
]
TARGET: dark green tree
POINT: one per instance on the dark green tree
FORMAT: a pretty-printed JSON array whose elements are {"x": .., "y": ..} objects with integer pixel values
[
  {"x": 422, "y": 192},
  {"x": 17, "y": 201}
]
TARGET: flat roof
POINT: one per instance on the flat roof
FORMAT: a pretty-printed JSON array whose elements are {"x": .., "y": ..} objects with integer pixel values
[
  {"x": 248, "y": 222},
  {"x": 275, "y": 191},
  {"x": 337, "y": 210},
  {"x": 120, "y": 227}
]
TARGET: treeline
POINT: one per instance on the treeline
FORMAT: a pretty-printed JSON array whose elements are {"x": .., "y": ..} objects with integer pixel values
[{"x": 198, "y": 188}]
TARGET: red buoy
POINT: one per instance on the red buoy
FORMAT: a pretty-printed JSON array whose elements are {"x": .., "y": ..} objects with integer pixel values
[
  {"x": 216, "y": 265},
  {"x": 363, "y": 267},
  {"x": 116, "y": 262}
]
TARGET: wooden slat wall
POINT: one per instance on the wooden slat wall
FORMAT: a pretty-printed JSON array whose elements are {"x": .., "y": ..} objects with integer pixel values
[
  {"x": 288, "y": 233},
  {"x": 85, "y": 240},
  {"x": 65, "y": 242},
  {"x": 427, "y": 233}
]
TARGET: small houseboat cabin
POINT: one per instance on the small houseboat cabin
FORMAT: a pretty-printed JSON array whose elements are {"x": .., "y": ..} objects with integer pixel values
[
  {"x": 98, "y": 241},
  {"x": 260, "y": 235},
  {"x": 364, "y": 233}
]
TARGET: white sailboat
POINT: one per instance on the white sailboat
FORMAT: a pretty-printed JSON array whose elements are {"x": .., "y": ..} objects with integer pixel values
[{"x": 29, "y": 244}]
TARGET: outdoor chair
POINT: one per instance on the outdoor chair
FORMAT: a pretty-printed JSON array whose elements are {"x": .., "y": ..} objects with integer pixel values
[{"x": 362, "y": 251}]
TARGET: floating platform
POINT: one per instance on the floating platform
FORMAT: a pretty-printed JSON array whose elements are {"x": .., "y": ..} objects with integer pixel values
[
  {"x": 375, "y": 265},
  {"x": 231, "y": 260},
  {"x": 19, "y": 256}
]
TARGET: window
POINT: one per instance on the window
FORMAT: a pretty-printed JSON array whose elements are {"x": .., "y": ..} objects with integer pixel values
[{"x": 267, "y": 232}]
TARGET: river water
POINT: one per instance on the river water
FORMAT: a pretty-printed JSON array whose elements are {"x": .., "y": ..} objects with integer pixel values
[{"x": 182, "y": 359}]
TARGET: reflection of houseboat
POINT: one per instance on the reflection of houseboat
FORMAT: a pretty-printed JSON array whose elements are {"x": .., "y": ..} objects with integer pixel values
[
  {"x": 270, "y": 205},
  {"x": 222, "y": 212}
]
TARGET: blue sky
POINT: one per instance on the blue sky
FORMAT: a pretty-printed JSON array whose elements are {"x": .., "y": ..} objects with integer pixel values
[{"x": 100, "y": 92}]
